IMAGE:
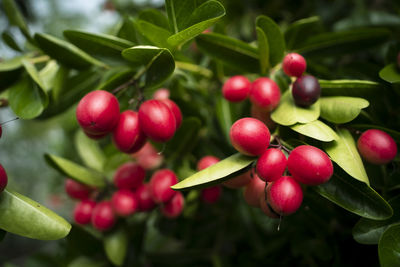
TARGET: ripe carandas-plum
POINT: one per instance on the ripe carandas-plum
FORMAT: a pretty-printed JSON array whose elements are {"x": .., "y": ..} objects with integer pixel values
[
  {"x": 238, "y": 181},
  {"x": 206, "y": 162},
  {"x": 160, "y": 185},
  {"x": 77, "y": 190},
  {"x": 103, "y": 217},
  {"x": 83, "y": 211},
  {"x": 265, "y": 93},
  {"x": 294, "y": 64},
  {"x": 128, "y": 136},
  {"x": 3, "y": 178},
  {"x": 253, "y": 191},
  {"x": 129, "y": 176},
  {"x": 211, "y": 194},
  {"x": 236, "y": 88},
  {"x": 285, "y": 195},
  {"x": 174, "y": 207},
  {"x": 175, "y": 110},
  {"x": 271, "y": 164},
  {"x": 306, "y": 90},
  {"x": 145, "y": 200},
  {"x": 124, "y": 202}
]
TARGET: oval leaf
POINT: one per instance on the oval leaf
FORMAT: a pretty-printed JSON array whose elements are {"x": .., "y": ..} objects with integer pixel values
[
  {"x": 154, "y": 34},
  {"x": 341, "y": 109},
  {"x": 89, "y": 151},
  {"x": 217, "y": 173},
  {"x": 299, "y": 31},
  {"x": 349, "y": 88},
  {"x": 155, "y": 17},
  {"x": 316, "y": 130},
  {"x": 287, "y": 113},
  {"x": 389, "y": 247},
  {"x": 33, "y": 73},
  {"x": 21, "y": 215},
  {"x": 15, "y": 17},
  {"x": 263, "y": 49},
  {"x": 179, "y": 12},
  {"x": 390, "y": 73},
  {"x": 116, "y": 246},
  {"x": 10, "y": 42}
]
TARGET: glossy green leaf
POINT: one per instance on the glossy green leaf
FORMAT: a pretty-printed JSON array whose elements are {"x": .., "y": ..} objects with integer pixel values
[
  {"x": 263, "y": 48},
  {"x": 224, "y": 115},
  {"x": 76, "y": 171},
  {"x": 33, "y": 73},
  {"x": 299, "y": 31},
  {"x": 155, "y": 17},
  {"x": 390, "y": 73},
  {"x": 15, "y": 17},
  {"x": 127, "y": 30},
  {"x": 355, "y": 196},
  {"x": 276, "y": 42},
  {"x": 391, "y": 132},
  {"x": 217, "y": 173},
  {"x": 357, "y": 88},
  {"x": 10, "y": 42},
  {"x": 154, "y": 34},
  {"x": 288, "y": 113},
  {"x": 65, "y": 53},
  {"x": 116, "y": 246},
  {"x": 22, "y": 216},
  {"x": 341, "y": 109},
  {"x": 344, "y": 152},
  {"x": 201, "y": 19},
  {"x": 232, "y": 52},
  {"x": 368, "y": 231},
  {"x": 179, "y": 12},
  {"x": 89, "y": 151},
  {"x": 59, "y": 82},
  {"x": 389, "y": 247},
  {"x": 316, "y": 130}
]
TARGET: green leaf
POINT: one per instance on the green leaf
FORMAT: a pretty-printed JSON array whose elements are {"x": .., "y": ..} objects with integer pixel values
[
  {"x": 10, "y": 42},
  {"x": 33, "y": 73},
  {"x": 232, "y": 52},
  {"x": 288, "y": 113},
  {"x": 202, "y": 18},
  {"x": 154, "y": 34},
  {"x": 389, "y": 247},
  {"x": 349, "y": 88},
  {"x": 158, "y": 63},
  {"x": 11, "y": 64},
  {"x": 10, "y": 71},
  {"x": 127, "y": 30},
  {"x": 98, "y": 44},
  {"x": 316, "y": 130},
  {"x": 15, "y": 17},
  {"x": 89, "y": 151},
  {"x": 224, "y": 115},
  {"x": 116, "y": 246},
  {"x": 75, "y": 171},
  {"x": 354, "y": 196},
  {"x": 390, "y": 73},
  {"x": 275, "y": 39},
  {"x": 83, "y": 261},
  {"x": 179, "y": 12},
  {"x": 263, "y": 48},
  {"x": 344, "y": 152},
  {"x": 64, "y": 52},
  {"x": 21, "y": 215},
  {"x": 341, "y": 109},
  {"x": 368, "y": 231},
  {"x": 299, "y": 31},
  {"x": 393, "y": 133},
  {"x": 48, "y": 74},
  {"x": 217, "y": 173},
  {"x": 155, "y": 17}
]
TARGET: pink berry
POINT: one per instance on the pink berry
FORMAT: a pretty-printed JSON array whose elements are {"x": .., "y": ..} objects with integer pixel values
[
  {"x": 238, "y": 181},
  {"x": 161, "y": 94},
  {"x": 211, "y": 195},
  {"x": 127, "y": 136},
  {"x": 124, "y": 202},
  {"x": 310, "y": 165},
  {"x": 148, "y": 157},
  {"x": 265, "y": 207},
  {"x": 249, "y": 136},
  {"x": 175, "y": 109},
  {"x": 145, "y": 200},
  {"x": 377, "y": 147},
  {"x": 3, "y": 178},
  {"x": 236, "y": 88},
  {"x": 285, "y": 195},
  {"x": 103, "y": 217},
  {"x": 174, "y": 207},
  {"x": 271, "y": 164},
  {"x": 294, "y": 65},
  {"x": 77, "y": 190},
  {"x": 253, "y": 191},
  {"x": 83, "y": 211},
  {"x": 206, "y": 162},
  {"x": 129, "y": 176},
  {"x": 160, "y": 185},
  {"x": 265, "y": 93}
]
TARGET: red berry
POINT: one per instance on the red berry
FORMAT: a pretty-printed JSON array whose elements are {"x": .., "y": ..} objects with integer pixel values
[
  {"x": 161, "y": 94},
  {"x": 377, "y": 147},
  {"x": 294, "y": 65},
  {"x": 306, "y": 90},
  {"x": 265, "y": 93},
  {"x": 263, "y": 115},
  {"x": 249, "y": 136},
  {"x": 148, "y": 157},
  {"x": 206, "y": 162},
  {"x": 236, "y": 88},
  {"x": 310, "y": 165},
  {"x": 3, "y": 178},
  {"x": 103, "y": 217},
  {"x": 157, "y": 120},
  {"x": 160, "y": 185},
  {"x": 95, "y": 136},
  {"x": 98, "y": 112},
  {"x": 77, "y": 190},
  {"x": 253, "y": 191},
  {"x": 175, "y": 109},
  {"x": 211, "y": 195},
  {"x": 285, "y": 195},
  {"x": 238, "y": 181},
  {"x": 124, "y": 202},
  {"x": 129, "y": 176},
  {"x": 83, "y": 211},
  {"x": 265, "y": 207},
  {"x": 271, "y": 164},
  {"x": 127, "y": 136},
  {"x": 145, "y": 200},
  {"x": 174, "y": 207}
]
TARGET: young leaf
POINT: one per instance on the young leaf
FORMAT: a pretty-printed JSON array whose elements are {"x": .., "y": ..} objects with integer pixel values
[
  {"x": 21, "y": 215},
  {"x": 316, "y": 130},
  {"x": 10, "y": 42},
  {"x": 276, "y": 42},
  {"x": 288, "y": 113},
  {"x": 154, "y": 34},
  {"x": 89, "y": 151},
  {"x": 341, "y": 109},
  {"x": 116, "y": 245},
  {"x": 344, "y": 152},
  {"x": 356, "y": 88},
  {"x": 217, "y": 173},
  {"x": 15, "y": 17},
  {"x": 299, "y": 31},
  {"x": 155, "y": 17},
  {"x": 232, "y": 52},
  {"x": 75, "y": 171},
  {"x": 263, "y": 48},
  {"x": 48, "y": 74},
  {"x": 390, "y": 73},
  {"x": 389, "y": 247}
]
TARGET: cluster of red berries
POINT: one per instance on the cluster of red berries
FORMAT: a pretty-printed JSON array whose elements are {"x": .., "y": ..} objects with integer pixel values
[{"x": 128, "y": 195}]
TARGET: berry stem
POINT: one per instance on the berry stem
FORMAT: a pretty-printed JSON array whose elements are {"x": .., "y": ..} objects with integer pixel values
[
  {"x": 124, "y": 86},
  {"x": 16, "y": 118}
]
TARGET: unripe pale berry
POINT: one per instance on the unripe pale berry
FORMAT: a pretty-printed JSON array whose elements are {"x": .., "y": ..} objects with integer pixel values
[
  {"x": 249, "y": 136},
  {"x": 98, "y": 112},
  {"x": 377, "y": 147},
  {"x": 294, "y": 64},
  {"x": 265, "y": 93},
  {"x": 145, "y": 200},
  {"x": 161, "y": 94},
  {"x": 3, "y": 178},
  {"x": 157, "y": 120},
  {"x": 128, "y": 137},
  {"x": 206, "y": 162},
  {"x": 265, "y": 207},
  {"x": 263, "y": 115},
  {"x": 236, "y": 88},
  {"x": 253, "y": 191},
  {"x": 160, "y": 185},
  {"x": 83, "y": 211},
  {"x": 306, "y": 90},
  {"x": 211, "y": 195},
  {"x": 148, "y": 157},
  {"x": 310, "y": 165},
  {"x": 285, "y": 195},
  {"x": 77, "y": 190},
  {"x": 238, "y": 181},
  {"x": 129, "y": 176},
  {"x": 175, "y": 109},
  {"x": 271, "y": 164},
  {"x": 124, "y": 202},
  {"x": 103, "y": 217},
  {"x": 174, "y": 207}
]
